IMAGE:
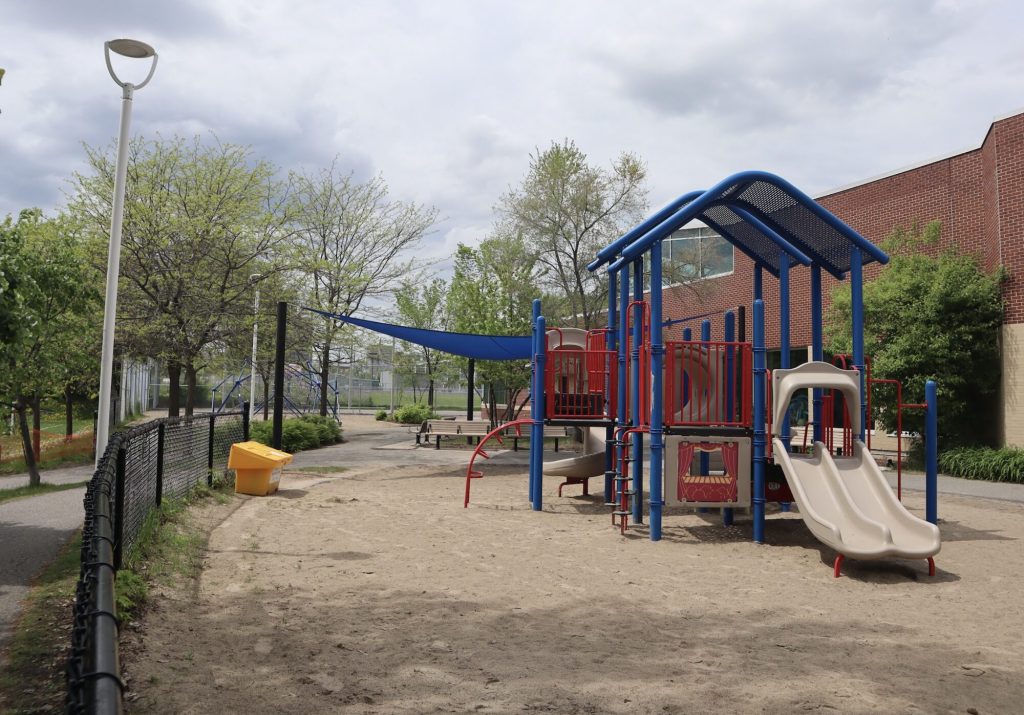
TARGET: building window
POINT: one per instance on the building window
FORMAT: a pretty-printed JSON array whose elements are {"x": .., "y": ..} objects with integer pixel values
[{"x": 692, "y": 254}]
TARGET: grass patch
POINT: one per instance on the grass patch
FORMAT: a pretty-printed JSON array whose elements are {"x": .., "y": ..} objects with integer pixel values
[
  {"x": 319, "y": 470},
  {"x": 169, "y": 549},
  {"x": 30, "y": 491},
  {"x": 17, "y": 466},
  {"x": 984, "y": 463},
  {"x": 32, "y": 680}
]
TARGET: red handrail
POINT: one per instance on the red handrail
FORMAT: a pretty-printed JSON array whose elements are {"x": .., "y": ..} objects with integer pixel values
[{"x": 496, "y": 432}]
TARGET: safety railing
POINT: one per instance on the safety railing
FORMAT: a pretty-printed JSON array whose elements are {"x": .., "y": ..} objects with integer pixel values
[
  {"x": 161, "y": 459},
  {"x": 708, "y": 384},
  {"x": 580, "y": 384}
]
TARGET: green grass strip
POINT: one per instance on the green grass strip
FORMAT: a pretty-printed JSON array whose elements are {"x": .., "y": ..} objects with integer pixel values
[{"x": 31, "y": 491}]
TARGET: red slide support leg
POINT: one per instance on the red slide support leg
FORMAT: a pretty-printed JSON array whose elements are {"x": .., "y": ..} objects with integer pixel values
[
  {"x": 837, "y": 565},
  {"x": 931, "y": 566}
]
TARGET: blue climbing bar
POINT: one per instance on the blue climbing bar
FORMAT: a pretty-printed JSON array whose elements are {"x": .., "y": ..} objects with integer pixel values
[{"x": 657, "y": 495}]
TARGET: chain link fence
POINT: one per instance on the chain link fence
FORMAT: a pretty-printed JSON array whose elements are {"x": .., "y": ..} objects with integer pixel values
[{"x": 141, "y": 467}]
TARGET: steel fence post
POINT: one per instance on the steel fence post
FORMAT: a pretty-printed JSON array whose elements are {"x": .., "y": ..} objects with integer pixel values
[
  {"x": 160, "y": 463},
  {"x": 245, "y": 421},
  {"x": 209, "y": 452}
]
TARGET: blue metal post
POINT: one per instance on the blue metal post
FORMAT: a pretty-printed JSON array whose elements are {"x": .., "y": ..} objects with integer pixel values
[
  {"x": 638, "y": 419},
  {"x": 537, "y": 428},
  {"x": 857, "y": 332},
  {"x": 759, "y": 421},
  {"x": 784, "y": 332},
  {"x": 729, "y": 335},
  {"x": 611, "y": 344},
  {"x": 657, "y": 498},
  {"x": 705, "y": 458},
  {"x": 687, "y": 334},
  {"x": 623, "y": 418},
  {"x": 758, "y": 282},
  {"x": 536, "y": 389},
  {"x": 817, "y": 352},
  {"x": 931, "y": 453}
]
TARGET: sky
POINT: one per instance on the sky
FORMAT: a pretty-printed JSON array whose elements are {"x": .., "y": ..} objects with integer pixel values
[{"x": 447, "y": 99}]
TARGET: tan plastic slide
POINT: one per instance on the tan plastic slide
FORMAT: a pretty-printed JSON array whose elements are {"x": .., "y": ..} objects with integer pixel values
[
  {"x": 846, "y": 502},
  {"x": 588, "y": 464}
]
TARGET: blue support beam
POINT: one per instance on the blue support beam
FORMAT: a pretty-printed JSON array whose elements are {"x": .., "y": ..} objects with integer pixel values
[
  {"x": 931, "y": 453},
  {"x": 657, "y": 494},
  {"x": 729, "y": 335},
  {"x": 705, "y": 458},
  {"x": 537, "y": 428},
  {"x": 817, "y": 348},
  {"x": 611, "y": 343},
  {"x": 857, "y": 331},
  {"x": 637, "y": 440},
  {"x": 536, "y": 396},
  {"x": 759, "y": 421},
  {"x": 784, "y": 335},
  {"x": 622, "y": 421}
]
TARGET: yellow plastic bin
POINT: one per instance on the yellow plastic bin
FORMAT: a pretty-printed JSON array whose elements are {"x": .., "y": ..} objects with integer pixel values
[{"x": 257, "y": 467}]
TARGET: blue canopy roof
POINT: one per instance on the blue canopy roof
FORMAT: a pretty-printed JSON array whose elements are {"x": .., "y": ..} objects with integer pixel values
[
  {"x": 471, "y": 345},
  {"x": 761, "y": 214}
]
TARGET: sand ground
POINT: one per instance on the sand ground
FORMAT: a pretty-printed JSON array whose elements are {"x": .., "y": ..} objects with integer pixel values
[{"x": 374, "y": 591}]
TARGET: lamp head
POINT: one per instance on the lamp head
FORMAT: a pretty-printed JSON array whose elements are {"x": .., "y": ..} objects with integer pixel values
[{"x": 131, "y": 48}]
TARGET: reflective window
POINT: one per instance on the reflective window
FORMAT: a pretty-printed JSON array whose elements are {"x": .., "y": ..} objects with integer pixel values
[{"x": 695, "y": 253}]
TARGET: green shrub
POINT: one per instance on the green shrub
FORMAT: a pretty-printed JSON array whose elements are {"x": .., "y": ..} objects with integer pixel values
[
  {"x": 297, "y": 434},
  {"x": 414, "y": 414},
  {"x": 327, "y": 428},
  {"x": 985, "y": 463},
  {"x": 381, "y": 415}
]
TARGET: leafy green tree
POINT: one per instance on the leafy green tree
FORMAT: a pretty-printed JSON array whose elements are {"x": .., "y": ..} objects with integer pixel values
[
  {"x": 567, "y": 209},
  {"x": 200, "y": 219},
  {"x": 928, "y": 316},
  {"x": 352, "y": 243},
  {"x": 492, "y": 292},
  {"x": 48, "y": 295},
  {"x": 424, "y": 305}
]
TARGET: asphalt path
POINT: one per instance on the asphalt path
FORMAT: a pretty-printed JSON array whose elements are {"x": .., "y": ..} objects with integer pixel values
[
  {"x": 32, "y": 532},
  {"x": 63, "y": 475}
]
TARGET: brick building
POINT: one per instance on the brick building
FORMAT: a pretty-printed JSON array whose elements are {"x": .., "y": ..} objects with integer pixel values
[{"x": 977, "y": 195}]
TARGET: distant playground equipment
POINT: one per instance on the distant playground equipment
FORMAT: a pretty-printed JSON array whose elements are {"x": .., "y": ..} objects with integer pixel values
[
  {"x": 717, "y": 420},
  {"x": 301, "y": 391}
]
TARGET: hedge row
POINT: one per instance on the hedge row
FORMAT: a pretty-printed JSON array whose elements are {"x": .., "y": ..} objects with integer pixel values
[
  {"x": 299, "y": 433},
  {"x": 985, "y": 463}
]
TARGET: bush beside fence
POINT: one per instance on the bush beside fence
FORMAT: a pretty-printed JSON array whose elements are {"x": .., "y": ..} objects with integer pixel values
[{"x": 161, "y": 459}]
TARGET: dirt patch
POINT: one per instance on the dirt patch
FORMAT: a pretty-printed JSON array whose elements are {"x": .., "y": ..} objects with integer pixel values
[{"x": 376, "y": 592}]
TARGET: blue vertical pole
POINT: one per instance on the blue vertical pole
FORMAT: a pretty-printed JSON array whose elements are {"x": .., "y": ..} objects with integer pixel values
[
  {"x": 705, "y": 458},
  {"x": 758, "y": 282},
  {"x": 817, "y": 352},
  {"x": 638, "y": 419},
  {"x": 759, "y": 420},
  {"x": 857, "y": 332},
  {"x": 729, "y": 335},
  {"x": 687, "y": 334},
  {"x": 623, "y": 419},
  {"x": 657, "y": 498},
  {"x": 931, "y": 453},
  {"x": 784, "y": 333},
  {"x": 536, "y": 382},
  {"x": 537, "y": 428},
  {"x": 610, "y": 344}
]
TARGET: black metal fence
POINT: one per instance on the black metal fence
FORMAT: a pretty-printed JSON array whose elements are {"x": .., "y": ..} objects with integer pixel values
[{"x": 162, "y": 459}]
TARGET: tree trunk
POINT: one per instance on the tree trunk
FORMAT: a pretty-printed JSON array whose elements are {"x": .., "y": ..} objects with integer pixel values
[
  {"x": 325, "y": 374},
  {"x": 190, "y": 387},
  {"x": 26, "y": 443},
  {"x": 37, "y": 425},
  {"x": 69, "y": 413},
  {"x": 492, "y": 417},
  {"x": 430, "y": 394},
  {"x": 174, "y": 398}
]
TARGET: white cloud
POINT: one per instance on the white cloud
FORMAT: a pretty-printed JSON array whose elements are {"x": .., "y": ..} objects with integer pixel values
[{"x": 447, "y": 100}]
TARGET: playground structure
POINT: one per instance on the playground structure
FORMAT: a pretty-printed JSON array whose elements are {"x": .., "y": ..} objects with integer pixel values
[
  {"x": 699, "y": 401},
  {"x": 301, "y": 391}
]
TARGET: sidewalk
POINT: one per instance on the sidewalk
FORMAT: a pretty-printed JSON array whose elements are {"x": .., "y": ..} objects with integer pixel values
[
  {"x": 1004, "y": 491},
  {"x": 62, "y": 475}
]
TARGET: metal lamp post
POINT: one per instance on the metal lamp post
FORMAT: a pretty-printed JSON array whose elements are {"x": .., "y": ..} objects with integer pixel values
[
  {"x": 255, "y": 330},
  {"x": 138, "y": 50}
]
